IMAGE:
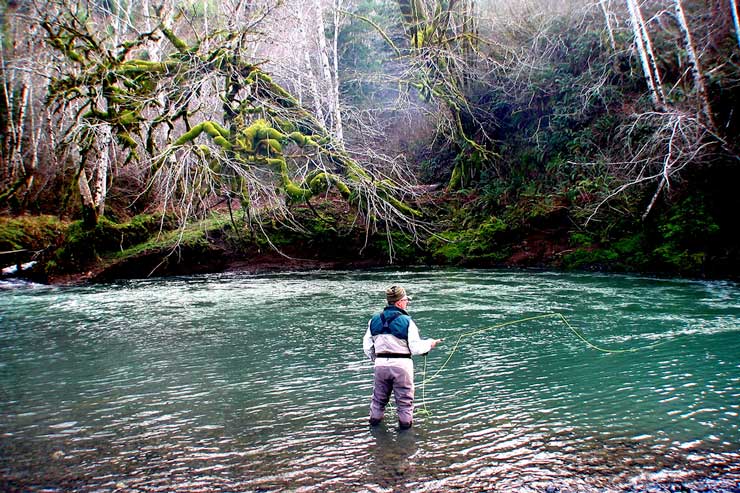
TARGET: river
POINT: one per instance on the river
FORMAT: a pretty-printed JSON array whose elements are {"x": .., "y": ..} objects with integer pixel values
[{"x": 257, "y": 382}]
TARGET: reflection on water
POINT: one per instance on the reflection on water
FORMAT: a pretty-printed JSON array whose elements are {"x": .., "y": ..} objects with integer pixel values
[{"x": 258, "y": 383}]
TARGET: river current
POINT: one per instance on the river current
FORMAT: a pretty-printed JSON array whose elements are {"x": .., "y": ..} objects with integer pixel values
[{"x": 258, "y": 383}]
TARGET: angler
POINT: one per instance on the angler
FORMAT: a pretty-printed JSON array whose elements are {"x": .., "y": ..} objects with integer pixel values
[{"x": 390, "y": 340}]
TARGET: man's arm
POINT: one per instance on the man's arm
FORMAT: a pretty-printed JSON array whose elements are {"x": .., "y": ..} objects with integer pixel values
[{"x": 417, "y": 345}]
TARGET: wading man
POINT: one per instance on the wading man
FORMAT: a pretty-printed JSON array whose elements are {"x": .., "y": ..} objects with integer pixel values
[{"x": 390, "y": 340}]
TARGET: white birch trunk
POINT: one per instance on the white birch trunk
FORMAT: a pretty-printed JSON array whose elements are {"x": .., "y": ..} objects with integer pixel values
[
  {"x": 35, "y": 142},
  {"x": 310, "y": 73},
  {"x": 696, "y": 71},
  {"x": 605, "y": 9},
  {"x": 650, "y": 54},
  {"x": 154, "y": 47},
  {"x": 13, "y": 129},
  {"x": 644, "y": 49},
  {"x": 100, "y": 190},
  {"x": 735, "y": 20},
  {"x": 315, "y": 95},
  {"x": 17, "y": 155},
  {"x": 327, "y": 79},
  {"x": 337, "y": 119},
  {"x": 85, "y": 193}
]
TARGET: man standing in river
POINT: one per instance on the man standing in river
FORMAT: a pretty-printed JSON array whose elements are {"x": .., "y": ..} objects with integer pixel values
[{"x": 390, "y": 340}]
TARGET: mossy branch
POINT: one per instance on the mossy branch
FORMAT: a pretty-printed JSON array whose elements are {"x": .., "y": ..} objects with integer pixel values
[
  {"x": 177, "y": 42},
  {"x": 375, "y": 26}
]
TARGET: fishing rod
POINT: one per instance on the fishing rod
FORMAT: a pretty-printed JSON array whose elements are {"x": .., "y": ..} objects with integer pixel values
[{"x": 560, "y": 316}]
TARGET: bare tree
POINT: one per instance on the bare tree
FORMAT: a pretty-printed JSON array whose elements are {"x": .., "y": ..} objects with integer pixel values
[
  {"x": 696, "y": 68},
  {"x": 263, "y": 148},
  {"x": 677, "y": 141},
  {"x": 647, "y": 55},
  {"x": 25, "y": 133},
  {"x": 16, "y": 100},
  {"x": 443, "y": 58},
  {"x": 607, "y": 18}
]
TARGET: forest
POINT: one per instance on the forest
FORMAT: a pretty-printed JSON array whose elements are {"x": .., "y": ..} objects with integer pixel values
[{"x": 153, "y": 137}]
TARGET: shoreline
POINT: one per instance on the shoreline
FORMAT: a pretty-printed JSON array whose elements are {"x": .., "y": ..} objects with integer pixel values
[{"x": 280, "y": 264}]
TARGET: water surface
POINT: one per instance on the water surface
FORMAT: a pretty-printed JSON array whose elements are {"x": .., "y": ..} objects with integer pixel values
[{"x": 241, "y": 382}]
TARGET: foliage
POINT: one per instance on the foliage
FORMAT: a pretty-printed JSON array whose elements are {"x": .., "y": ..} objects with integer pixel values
[
  {"x": 485, "y": 244},
  {"x": 682, "y": 239},
  {"x": 624, "y": 254},
  {"x": 545, "y": 132},
  {"x": 688, "y": 234}
]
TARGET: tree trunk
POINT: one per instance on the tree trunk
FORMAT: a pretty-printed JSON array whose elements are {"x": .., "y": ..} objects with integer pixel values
[
  {"x": 605, "y": 9},
  {"x": 696, "y": 71},
  {"x": 315, "y": 95},
  {"x": 101, "y": 172},
  {"x": 89, "y": 211},
  {"x": 650, "y": 54},
  {"x": 35, "y": 141},
  {"x": 647, "y": 58},
  {"x": 735, "y": 19},
  {"x": 337, "y": 118},
  {"x": 328, "y": 81}
]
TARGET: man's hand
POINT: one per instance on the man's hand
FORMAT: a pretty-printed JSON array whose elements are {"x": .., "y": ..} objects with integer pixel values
[{"x": 436, "y": 341}]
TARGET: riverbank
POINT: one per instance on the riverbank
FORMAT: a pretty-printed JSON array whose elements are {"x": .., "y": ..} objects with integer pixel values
[{"x": 531, "y": 233}]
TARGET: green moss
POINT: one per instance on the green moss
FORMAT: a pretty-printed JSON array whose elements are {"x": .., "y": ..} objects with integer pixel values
[
  {"x": 126, "y": 140},
  {"x": 343, "y": 189},
  {"x": 214, "y": 129},
  {"x": 82, "y": 245},
  {"x": 131, "y": 67},
  {"x": 270, "y": 147},
  {"x": 29, "y": 232},
  {"x": 456, "y": 178},
  {"x": 177, "y": 42},
  {"x": 298, "y": 138},
  {"x": 295, "y": 192},
  {"x": 128, "y": 118},
  {"x": 193, "y": 236}
]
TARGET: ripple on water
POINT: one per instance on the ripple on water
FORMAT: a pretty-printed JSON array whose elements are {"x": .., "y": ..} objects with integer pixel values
[{"x": 241, "y": 382}]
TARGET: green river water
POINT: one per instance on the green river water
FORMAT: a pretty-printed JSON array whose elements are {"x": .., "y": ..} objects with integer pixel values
[{"x": 258, "y": 383}]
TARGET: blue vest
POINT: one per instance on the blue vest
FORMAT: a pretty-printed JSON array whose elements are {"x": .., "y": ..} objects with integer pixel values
[{"x": 392, "y": 320}]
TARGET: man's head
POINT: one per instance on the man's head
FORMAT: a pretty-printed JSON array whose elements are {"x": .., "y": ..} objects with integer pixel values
[{"x": 396, "y": 295}]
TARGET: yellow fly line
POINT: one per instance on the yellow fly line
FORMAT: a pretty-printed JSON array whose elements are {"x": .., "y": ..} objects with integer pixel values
[{"x": 424, "y": 410}]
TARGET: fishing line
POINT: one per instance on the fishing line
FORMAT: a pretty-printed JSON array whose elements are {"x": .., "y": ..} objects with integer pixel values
[{"x": 423, "y": 410}]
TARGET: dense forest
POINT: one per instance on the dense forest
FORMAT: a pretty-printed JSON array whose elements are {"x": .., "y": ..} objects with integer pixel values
[{"x": 144, "y": 137}]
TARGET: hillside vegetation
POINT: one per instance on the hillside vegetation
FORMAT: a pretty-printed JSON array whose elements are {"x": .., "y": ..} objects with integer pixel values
[{"x": 574, "y": 135}]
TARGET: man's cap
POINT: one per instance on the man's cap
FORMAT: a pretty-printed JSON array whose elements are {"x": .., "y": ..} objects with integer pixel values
[{"x": 395, "y": 293}]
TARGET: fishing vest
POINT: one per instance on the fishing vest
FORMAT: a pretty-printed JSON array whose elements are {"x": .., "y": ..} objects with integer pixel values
[{"x": 392, "y": 320}]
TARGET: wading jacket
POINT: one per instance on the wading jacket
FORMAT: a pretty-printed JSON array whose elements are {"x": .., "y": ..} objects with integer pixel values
[{"x": 393, "y": 333}]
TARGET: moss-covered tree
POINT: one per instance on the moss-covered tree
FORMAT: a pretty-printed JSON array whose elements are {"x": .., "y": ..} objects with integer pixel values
[{"x": 258, "y": 145}]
